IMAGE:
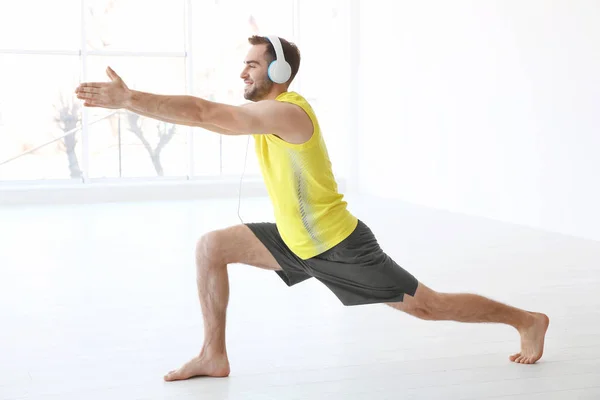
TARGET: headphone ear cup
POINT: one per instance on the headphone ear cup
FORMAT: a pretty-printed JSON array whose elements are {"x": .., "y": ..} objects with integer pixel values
[{"x": 279, "y": 71}]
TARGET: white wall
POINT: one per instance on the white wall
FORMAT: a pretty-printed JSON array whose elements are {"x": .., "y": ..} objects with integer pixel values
[
  {"x": 489, "y": 108},
  {"x": 324, "y": 77}
]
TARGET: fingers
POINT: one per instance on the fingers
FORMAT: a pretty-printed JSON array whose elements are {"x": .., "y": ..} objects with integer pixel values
[
  {"x": 91, "y": 99},
  {"x": 92, "y": 88},
  {"x": 85, "y": 95},
  {"x": 101, "y": 94},
  {"x": 88, "y": 93},
  {"x": 88, "y": 89},
  {"x": 93, "y": 84}
]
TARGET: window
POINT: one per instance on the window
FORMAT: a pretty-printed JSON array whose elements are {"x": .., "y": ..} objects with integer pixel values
[
  {"x": 176, "y": 47},
  {"x": 128, "y": 145},
  {"x": 37, "y": 107},
  {"x": 40, "y": 25},
  {"x": 135, "y": 25}
]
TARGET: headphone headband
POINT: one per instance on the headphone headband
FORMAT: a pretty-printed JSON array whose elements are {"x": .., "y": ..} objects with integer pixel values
[{"x": 277, "y": 46}]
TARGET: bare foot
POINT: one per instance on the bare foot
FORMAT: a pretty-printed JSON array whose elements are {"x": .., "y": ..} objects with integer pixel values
[
  {"x": 532, "y": 340},
  {"x": 201, "y": 366}
]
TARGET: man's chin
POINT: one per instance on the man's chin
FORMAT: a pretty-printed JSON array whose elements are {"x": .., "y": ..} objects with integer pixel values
[{"x": 250, "y": 96}]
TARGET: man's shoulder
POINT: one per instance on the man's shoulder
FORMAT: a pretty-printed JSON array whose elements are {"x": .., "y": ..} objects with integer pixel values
[
  {"x": 297, "y": 99},
  {"x": 293, "y": 97}
]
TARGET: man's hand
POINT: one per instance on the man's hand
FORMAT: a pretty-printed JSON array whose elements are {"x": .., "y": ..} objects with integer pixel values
[{"x": 114, "y": 94}]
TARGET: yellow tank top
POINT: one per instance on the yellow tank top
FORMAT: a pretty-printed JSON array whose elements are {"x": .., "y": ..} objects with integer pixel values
[{"x": 310, "y": 214}]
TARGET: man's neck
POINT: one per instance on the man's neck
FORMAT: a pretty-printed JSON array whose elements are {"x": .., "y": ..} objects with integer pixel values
[{"x": 274, "y": 94}]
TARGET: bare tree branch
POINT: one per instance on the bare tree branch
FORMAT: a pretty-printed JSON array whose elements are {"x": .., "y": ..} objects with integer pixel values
[
  {"x": 164, "y": 137},
  {"x": 67, "y": 117}
]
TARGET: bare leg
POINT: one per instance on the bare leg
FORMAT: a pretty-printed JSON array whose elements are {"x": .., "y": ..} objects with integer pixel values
[
  {"x": 464, "y": 307},
  {"x": 213, "y": 253}
]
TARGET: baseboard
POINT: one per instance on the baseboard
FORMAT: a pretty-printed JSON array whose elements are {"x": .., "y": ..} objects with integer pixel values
[
  {"x": 128, "y": 191},
  {"x": 134, "y": 191}
]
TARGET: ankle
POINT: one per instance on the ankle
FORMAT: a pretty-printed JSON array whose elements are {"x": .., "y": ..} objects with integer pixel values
[
  {"x": 213, "y": 353},
  {"x": 526, "y": 321}
]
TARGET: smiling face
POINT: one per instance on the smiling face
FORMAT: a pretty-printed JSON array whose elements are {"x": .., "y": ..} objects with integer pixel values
[{"x": 254, "y": 74}]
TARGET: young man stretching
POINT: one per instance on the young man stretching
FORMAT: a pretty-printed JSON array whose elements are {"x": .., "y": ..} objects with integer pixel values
[{"x": 314, "y": 235}]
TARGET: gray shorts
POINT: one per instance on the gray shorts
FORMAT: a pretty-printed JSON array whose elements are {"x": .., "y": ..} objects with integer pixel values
[{"x": 357, "y": 270}]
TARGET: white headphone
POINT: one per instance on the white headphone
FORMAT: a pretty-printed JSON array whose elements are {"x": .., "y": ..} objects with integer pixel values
[{"x": 279, "y": 70}]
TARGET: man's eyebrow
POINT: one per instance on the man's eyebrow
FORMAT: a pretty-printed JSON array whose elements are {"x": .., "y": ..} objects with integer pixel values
[{"x": 251, "y": 62}]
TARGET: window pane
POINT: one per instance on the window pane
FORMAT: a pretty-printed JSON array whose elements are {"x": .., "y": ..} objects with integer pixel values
[
  {"x": 218, "y": 62},
  {"x": 234, "y": 151},
  {"x": 135, "y": 25},
  {"x": 207, "y": 153},
  {"x": 130, "y": 145},
  {"x": 43, "y": 25},
  {"x": 36, "y": 108}
]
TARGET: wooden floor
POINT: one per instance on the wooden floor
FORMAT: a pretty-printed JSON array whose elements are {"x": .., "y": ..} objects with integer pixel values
[{"x": 99, "y": 301}]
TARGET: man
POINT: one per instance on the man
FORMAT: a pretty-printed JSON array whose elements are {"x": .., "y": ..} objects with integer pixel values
[{"x": 314, "y": 235}]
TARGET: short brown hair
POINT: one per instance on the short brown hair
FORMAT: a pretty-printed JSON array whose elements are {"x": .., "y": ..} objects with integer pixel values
[{"x": 290, "y": 52}]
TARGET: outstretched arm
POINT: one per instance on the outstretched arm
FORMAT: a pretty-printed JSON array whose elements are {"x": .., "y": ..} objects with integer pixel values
[
  {"x": 286, "y": 120},
  {"x": 206, "y": 126}
]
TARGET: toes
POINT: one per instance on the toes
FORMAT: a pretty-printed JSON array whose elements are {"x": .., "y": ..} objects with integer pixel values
[
  {"x": 526, "y": 360},
  {"x": 520, "y": 359},
  {"x": 172, "y": 375},
  {"x": 523, "y": 359}
]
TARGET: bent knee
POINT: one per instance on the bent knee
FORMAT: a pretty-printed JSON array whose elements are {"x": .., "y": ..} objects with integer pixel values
[{"x": 209, "y": 248}]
